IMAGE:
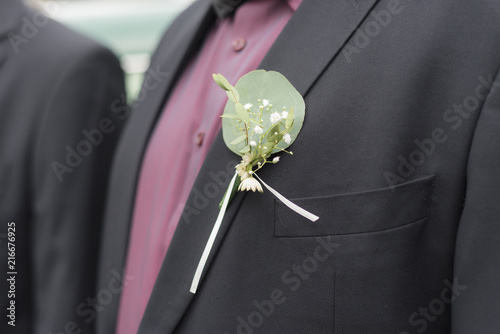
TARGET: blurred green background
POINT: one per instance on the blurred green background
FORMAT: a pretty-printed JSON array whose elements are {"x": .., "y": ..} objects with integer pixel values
[{"x": 130, "y": 28}]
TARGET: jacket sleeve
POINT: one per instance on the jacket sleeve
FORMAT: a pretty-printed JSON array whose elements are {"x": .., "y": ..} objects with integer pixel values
[
  {"x": 477, "y": 258},
  {"x": 71, "y": 164}
]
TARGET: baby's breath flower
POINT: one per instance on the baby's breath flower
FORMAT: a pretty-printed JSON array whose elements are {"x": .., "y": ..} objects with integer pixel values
[
  {"x": 247, "y": 158},
  {"x": 250, "y": 184},
  {"x": 241, "y": 167},
  {"x": 276, "y": 159},
  {"x": 248, "y": 106},
  {"x": 287, "y": 138},
  {"x": 275, "y": 118},
  {"x": 253, "y": 143},
  {"x": 265, "y": 102},
  {"x": 284, "y": 114},
  {"x": 258, "y": 130},
  {"x": 241, "y": 170}
]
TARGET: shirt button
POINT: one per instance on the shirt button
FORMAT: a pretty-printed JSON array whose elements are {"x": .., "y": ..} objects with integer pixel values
[
  {"x": 239, "y": 44},
  {"x": 199, "y": 138}
]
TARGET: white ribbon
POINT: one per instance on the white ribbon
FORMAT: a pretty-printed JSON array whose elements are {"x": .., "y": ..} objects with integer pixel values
[
  {"x": 220, "y": 217},
  {"x": 211, "y": 239},
  {"x": 294, "y": 207}
]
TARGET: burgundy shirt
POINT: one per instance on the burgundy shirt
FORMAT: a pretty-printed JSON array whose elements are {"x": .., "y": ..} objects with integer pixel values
[{"x": 182, "y": 138}]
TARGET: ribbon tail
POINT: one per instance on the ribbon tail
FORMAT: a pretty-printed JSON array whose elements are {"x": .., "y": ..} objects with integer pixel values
[
  {"x": 211, "y": 239},
  {"x": 294, "y": 207}
]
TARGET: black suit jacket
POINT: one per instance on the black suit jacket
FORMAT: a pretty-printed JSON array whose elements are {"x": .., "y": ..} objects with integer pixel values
[
  {"x": 399, "y": 156},
  {"x": 54, "y": 85}
]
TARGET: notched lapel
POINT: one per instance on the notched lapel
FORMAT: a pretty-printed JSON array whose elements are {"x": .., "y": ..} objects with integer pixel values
[
  {"x": 306, "y": 46},
  {"x": 171, "y": 297},
  {"x": 301, "y": 53}
]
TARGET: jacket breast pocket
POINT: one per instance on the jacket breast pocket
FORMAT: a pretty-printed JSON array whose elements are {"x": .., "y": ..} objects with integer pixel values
[{"x": 354, "y": 213}]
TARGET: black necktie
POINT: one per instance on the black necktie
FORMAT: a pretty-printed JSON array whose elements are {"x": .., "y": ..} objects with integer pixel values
[{"x": 225, "y": 7}]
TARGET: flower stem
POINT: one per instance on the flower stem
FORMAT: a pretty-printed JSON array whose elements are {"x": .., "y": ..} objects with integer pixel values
[{"x": 261, "y": 165}]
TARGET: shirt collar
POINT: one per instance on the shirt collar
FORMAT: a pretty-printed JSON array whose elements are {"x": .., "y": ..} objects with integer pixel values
[{"x": 294, "y": 4}]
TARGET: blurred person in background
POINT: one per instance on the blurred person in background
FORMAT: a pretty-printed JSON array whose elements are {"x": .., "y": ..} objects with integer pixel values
[
  {"x": 57, "y": 135},
  {"x": 399, "y": 156}
]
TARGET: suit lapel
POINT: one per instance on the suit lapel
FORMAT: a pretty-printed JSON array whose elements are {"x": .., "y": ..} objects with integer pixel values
[
  {"x": 178, "y": 44},
  {"x": 306, "y": 46},
  {"x": 301, "y": 53}
]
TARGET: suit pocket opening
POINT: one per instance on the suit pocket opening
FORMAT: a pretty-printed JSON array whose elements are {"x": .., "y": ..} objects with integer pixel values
[{"x": 354, "y": 213}]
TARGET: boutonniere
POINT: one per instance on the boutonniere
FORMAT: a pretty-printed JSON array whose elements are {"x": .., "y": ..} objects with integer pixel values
[{"x": 263, "y": 117}]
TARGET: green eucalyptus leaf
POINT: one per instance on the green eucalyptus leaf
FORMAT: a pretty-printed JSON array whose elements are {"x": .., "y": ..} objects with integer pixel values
[
  {"x": 239, "y": 140},
  {"x": 233, "y": 95},
  {"x": 278, "y": 137},
  {"x": 222, "y": 81},
  {"x": 274, "y": 87},
  {"x": 289, "y": 118},
  {"x": 245, "y": 149},
  {"x": 242, "y": 112},
  {"x": 231, "y": 116},
  {"x": 271, "y": 133},
  {"x": 270, "y": 148}
]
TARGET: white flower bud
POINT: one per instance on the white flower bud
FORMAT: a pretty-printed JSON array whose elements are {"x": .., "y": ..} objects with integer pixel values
[
  {"x": 287, "y": 138},
  {"x": 275, "y": 118}
]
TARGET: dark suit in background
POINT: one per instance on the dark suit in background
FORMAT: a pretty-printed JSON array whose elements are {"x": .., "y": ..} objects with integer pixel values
[
  {"x": 54, "y": 84},
  {"x": 399, "y": 156}
]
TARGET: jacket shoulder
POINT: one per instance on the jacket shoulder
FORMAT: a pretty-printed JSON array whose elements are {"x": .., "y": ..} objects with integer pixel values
[{"x": 52, "y": 44}]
